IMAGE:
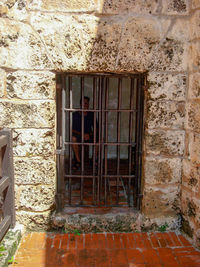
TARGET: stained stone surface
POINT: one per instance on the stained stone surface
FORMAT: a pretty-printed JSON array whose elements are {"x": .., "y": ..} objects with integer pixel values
[
  {"x": 34, "y": 220},
  {"x": 63, "y": 6},
  {"x": 165, "y": 142},
  {"x": 194, "y": 86},
  {"x": 180, "y": 29},
  {"x": 167, "y": 86},
  {"x": 35, "y": 198},
  {"x": 139, "y": 39},
  {"x": 34, "y": 170},
  {"x": 168, "y": 114},
  {"x": 33, "y": 142},
  {"x": 31, "y": 114},
  {"x": 162, "y": 170},
  {"x": 21, "y": 46},
  {"x": 191, "y": 176},
  {"x": 191, "y": 209},
  {"x": 194, "y": 147},
  {"x": 173, "y": 7},
  {"x": 31, "y": 85},
  {"x": 14, "y": 9},
  {"x": 125, "y": 6},
  {"x": 3, "y": 83},
  {"x": 194, "y": 55},
  {"x": 193, "y": 116},
  {"x": 85, "y": 42},
  {"x": 195, "y": 25},
  {"x": 195, "y": 4},
  {"x": 163, "y": 197}
]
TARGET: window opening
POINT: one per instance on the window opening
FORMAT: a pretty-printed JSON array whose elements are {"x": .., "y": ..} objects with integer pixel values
[{"x": 99, "y": 139}]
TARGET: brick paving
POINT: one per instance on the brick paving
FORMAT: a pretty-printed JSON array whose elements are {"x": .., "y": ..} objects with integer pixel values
[{"x": 168, "y": 249}]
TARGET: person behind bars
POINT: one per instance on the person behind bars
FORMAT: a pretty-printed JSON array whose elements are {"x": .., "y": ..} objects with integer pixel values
[{"x": 77, "y": 129}]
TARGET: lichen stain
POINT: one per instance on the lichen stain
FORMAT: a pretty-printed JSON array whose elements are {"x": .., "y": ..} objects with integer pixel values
[{"x": 191, "y": 209}]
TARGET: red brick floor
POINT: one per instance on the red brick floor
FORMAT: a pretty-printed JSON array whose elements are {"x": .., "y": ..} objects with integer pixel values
[{"x": 106, "y": 250}]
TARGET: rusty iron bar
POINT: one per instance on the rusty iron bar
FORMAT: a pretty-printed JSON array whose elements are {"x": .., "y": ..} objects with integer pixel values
[
  {"x": 82, "y": 140},
  {"x": 70, "y": 137},
  {"x": 99, "y": 142},
  {"x": 94, "y": 195},
  {"x": 106, "y": 140},
  {"x": 118, "y": 134},
  {"x": 130, "y": 139}
]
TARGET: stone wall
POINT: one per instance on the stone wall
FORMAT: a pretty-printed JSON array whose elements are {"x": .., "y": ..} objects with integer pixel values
[
  {"x": 40, "y": 37},
  {"x": 190, "y": 197}
]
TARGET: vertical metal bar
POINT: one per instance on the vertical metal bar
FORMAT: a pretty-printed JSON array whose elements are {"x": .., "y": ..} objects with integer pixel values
[
  {"x": 99, "y": 141},
  {"x": 118, "y": 135},
  {"x": 141, "y": 107},
  {"x": 106, "y": 140},
  {"x": 130, "y": 137},
  {"x": 82, "y": 139},
  {"x": 70, "y": 135},
  {"x": 94, "y": 197},
  {"x": 60, "y": 178},
  {"x": 138, "y": 97}
]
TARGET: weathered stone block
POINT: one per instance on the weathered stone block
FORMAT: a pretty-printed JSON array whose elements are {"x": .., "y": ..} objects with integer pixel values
[
  {"x": 191, "y": 175},
  {"x": 179, "y": 30},
  {"x": 31, "y": 85},
  {"x": 195, "y": 25},
  {"x": 34, "y": 171},
  {"x": 141, "y": 47},
  {"x": 14, "y": 9},
  {"x": 167, "y": 114},
  {"x": 162, "y": 170},
  {"x": 167, "y": 86},
  {"x": 175, "y": 7},
  {"x": 34, "y": 142},
  {"x": 122, "y": 6},
  {"x": 161, "y": 201},
  {"x": 194, "y": 147},
  {"x": 85, "y": 43},
  {"x": 191, "y": 207},
  {"x": 35, "y": 198},
  {"x": 63, "y": 6},
  {"x": 194, "y": 86},
  {"x": 2, "y": 83},
  {"x": 170, "y": 143},
  {"x": 33, "y": 113},
  {"x": 21, "y": 46},
  {"x": 195, "y": 4},
  {"x": 194, "y": 56},
  {"x": 34, "y": 221},
  {"x": 139, "y": 39},
  {"x": 169, "y": 55},
  {"x": 193, "y": 115}
]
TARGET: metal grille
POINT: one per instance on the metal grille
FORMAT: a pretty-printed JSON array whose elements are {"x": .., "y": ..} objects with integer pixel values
[{"x": 109, "y": 173}]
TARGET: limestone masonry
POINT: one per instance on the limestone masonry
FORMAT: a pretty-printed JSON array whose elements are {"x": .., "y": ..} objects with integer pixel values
[{"x": 41, "y": 37}]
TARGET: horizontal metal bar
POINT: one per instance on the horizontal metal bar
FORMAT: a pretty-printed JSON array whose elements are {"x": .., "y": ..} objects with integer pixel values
[
  {"x": 99, "y": 110},
  {"x": 3, "y": 140},
  {"x": 96, "y": 144},
  {"x": 92, "y": 177},
  {"x": 99, "y": 205},
  {"x": 4, "y": 183},
  {"x": 4, "y": 225},
  {"x": 109, "y": 74}
]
